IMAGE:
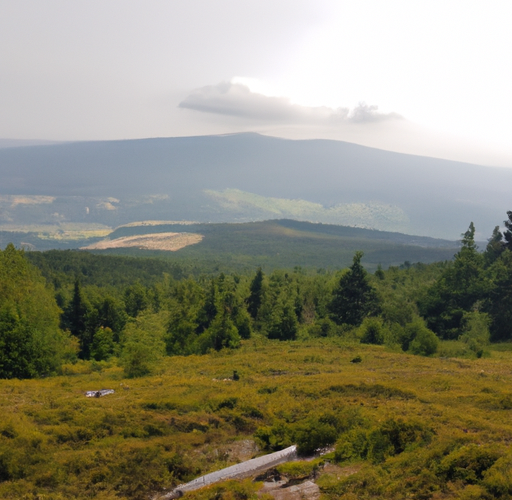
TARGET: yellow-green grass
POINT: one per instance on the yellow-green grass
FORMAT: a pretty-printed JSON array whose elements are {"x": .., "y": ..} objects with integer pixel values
[
  {"x": 158, "y": 223},
  {"x": 158, "y": 431},
  {"x": 66, "y": 231},
  {"x": 385, "y": 216}
]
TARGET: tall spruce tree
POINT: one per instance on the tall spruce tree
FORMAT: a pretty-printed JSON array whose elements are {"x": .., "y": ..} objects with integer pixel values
[
  {"x": 256, "y": 297},
  {"x": 209, "y": 310},
  {"x": 75, "y": 319},
  {"x": 508, "y": 233},
  {"x": 456, "y": 292},
  {"x": 498, "y": 303},
  {"x": 494, "y": 247},
  {"x": 354, "y": 298}
]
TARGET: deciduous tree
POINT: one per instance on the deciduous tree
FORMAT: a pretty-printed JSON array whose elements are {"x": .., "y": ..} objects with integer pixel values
[{"x": 31, "y": 343}]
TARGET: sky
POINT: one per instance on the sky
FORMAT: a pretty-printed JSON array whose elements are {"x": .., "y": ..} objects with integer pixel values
[{"x": 424, "y": 77}]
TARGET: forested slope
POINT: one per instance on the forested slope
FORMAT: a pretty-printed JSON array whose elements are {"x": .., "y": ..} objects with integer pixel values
[
  {"x": 195, "y": 309},
  {"x": 289, "y": 243}
]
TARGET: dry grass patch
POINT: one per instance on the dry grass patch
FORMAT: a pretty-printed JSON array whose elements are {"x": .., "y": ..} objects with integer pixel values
[{"x": 160, "y": 241}]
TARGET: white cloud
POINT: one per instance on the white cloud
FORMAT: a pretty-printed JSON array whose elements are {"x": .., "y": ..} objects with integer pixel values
[{"x": 236, "y": 99}]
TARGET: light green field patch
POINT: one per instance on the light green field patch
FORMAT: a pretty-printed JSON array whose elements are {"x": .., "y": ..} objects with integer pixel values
[
  {"x": 67, "y": 231},
  {"x": 14, "y": 200},
  {"x": 158, "y": 223},
  {"x": 366, "y": 215}
]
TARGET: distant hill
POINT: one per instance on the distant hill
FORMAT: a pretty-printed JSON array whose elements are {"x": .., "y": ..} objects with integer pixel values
[
  {"x": 18, "y": 143},
  {"x": 246, "y": 177},
  {"x": 287, "y": 244}
]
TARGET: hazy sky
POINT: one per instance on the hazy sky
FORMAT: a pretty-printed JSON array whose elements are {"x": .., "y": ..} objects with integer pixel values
[{"x": 427, "y": 77}]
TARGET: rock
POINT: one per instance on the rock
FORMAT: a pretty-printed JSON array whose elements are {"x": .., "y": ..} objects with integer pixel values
[{"x": 99, "y": 394}]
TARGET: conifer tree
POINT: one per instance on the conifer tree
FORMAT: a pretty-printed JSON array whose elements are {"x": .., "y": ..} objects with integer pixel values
[
  {"x": 508, "y": 233},
  {"x": 222, "y": 332},
  {"x": 256, "y": 297},
  {"x": 499, "y": 300},
  {"x": 495, "y": 246},
  {"x": 75, "y": 320},
  {"x": 184, "y": 309},
  {"x": 456, "y": 292},
  {"x": 209, "y": 310},
  {"x": 354, "y": 298}
]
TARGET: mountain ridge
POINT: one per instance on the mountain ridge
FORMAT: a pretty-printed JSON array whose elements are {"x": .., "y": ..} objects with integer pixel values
[{"x": 164, "y": 178}]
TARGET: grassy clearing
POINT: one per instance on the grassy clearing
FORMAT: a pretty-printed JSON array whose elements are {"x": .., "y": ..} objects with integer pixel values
[
  {"x": 60, "y": 232},
  {"x": 384, "y": 216},
  {"x": 156, "y": 432},
  {"x": 158, "y": 223},
  {"x": 71, "y": 228},
  {"x": 161, "y": 241}
]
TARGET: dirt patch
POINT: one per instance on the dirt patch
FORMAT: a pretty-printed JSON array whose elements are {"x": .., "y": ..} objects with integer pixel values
[
  {"x": 340, "y": 472},
  {"x": 283, "y": 491},
  {"x": 236, "y": 451},
  {"x": 242, "y": 450},
  {"x": 161, "y": 241},
  {"x": 282, "y": 488}
]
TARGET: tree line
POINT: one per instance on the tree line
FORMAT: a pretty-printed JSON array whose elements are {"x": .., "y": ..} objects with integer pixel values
[{"x": 99, "y": 316}]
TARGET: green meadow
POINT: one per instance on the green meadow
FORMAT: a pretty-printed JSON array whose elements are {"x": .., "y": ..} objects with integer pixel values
[{"x": 403, "y": 426}]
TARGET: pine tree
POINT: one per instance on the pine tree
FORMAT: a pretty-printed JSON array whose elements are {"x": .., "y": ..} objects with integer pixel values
[
  {"x": 508, "y": 233},
  {"x": 354, "y": 298},
  {"x": 456, "y": 292},
  {"x": 222, "y": 333},
  {"x": 495, "y": 246},
  {"x": 499, "y": 300},
  {"x": 209, "y": 310},
  {"x": 75, "y": 319},
  {"x": 184, "y": 308},
  {"x": 256, "y": 297}
]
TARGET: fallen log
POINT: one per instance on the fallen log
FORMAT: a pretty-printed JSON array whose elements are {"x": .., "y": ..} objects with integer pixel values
[{"x": 238, "y": 471}]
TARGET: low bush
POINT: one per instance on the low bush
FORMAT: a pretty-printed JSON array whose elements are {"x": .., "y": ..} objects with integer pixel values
[
  {"x": 497, "y": 479},
  {"x": 299, "y": 470},
  {"x": 276, "y": 437},
  {"x": 372, "y": 332},
  {"x": 418, "y": 339},
  {"x": 468, "y": 463},
  {"x": 378, "y": 443},
  {"x": 314, "y": 435}
]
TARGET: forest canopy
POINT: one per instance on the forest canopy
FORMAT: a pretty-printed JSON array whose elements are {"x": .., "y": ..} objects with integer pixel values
[{"x": 95, "y": 311}]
